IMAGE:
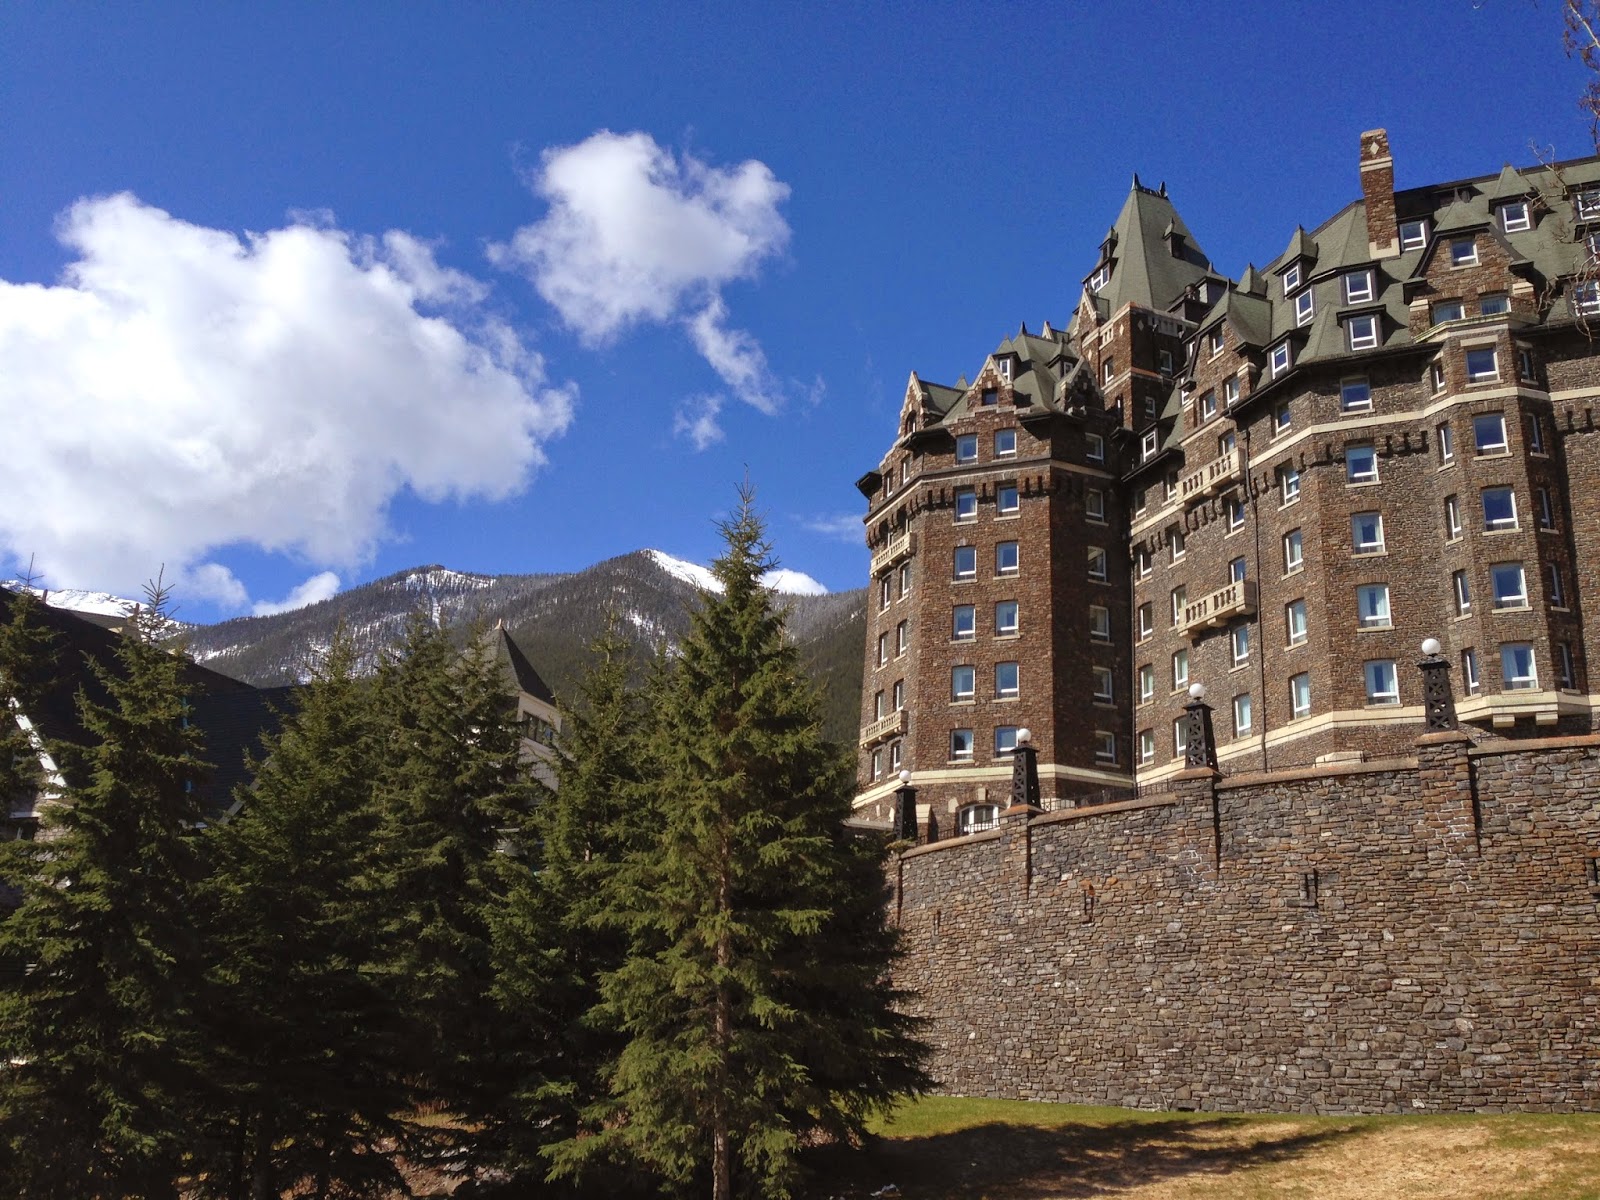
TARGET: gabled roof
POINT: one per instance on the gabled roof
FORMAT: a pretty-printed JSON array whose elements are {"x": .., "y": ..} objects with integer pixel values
[
  {"x": 1511, "y": 185},
  {"x": 1300, "y": 246},
  {"x": 1145, "y": 271},
  {"x": 518, "y": 671}
]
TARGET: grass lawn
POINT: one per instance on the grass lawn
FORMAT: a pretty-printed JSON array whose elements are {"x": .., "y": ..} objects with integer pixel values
[{"x": 947, "y": 1148}]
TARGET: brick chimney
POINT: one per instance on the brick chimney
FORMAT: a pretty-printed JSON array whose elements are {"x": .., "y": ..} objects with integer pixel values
[{"x": 1377, "y": 185}]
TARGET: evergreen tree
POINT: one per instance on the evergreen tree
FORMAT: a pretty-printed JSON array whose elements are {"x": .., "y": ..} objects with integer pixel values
[
  {"x": 301, "y": 1035},
  {"x": 99, "y": 1033},
  {"x": 27, "y": 663},
  {"x": 552, "y": 940},
  {"x": 452, "y": 788},
  {"x": 754, "y": 998}
]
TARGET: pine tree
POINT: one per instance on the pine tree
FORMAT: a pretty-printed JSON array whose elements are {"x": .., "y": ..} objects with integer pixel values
[
  {"x": 27, "y": 663},
  {"x": 451, "y": 786},
  {"x": 552, "y": 940},
  {"x": 301, "y": 1035},
  {"x": 754, "y": 997},
  {"x": 100, "y": 1031}
]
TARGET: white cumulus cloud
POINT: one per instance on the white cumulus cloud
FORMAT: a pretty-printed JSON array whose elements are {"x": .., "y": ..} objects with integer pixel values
[
  {"x": 793, "y": 583},
  {"x": 321, "y": 586},
  {"x": 635, "y": 234},
  {"x": 183, "y": 389},
  {"x": 696, "y": 419}
]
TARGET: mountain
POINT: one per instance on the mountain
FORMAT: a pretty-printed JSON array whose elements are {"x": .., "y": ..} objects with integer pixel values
[{"x": 553, "y": 618}]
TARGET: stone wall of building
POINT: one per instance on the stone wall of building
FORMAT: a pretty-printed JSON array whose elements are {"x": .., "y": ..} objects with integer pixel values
[{"x": 1418, "y": 934}]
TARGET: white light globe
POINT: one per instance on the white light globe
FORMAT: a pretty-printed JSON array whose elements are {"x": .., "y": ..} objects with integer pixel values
[
  {"x": 1430, "y": 646},
  {"x": 1197, "y": 691},
  {"x": 1024, "y": 736},
  {"x": 905, "y": 776}
]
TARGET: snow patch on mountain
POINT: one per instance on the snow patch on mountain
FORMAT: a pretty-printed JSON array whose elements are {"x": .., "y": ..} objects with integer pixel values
[
  {"x": 78, "y": 600},
  {"x": 436, "y": 579},
  {"x": 781, "y": 580}
]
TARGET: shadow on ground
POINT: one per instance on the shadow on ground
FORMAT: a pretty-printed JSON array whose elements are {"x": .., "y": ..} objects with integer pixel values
[{"x": 1019, "y": 1162}]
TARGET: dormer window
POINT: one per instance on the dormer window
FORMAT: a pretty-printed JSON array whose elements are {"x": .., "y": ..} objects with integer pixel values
[
  {"x": 1291, "y": 278},
  {"x": 1446, "y": 310},
  {"x": 1362, "y": 332},
  {"x": 1358, "y": 287},
  {"x": 1494, "y": 305},
  {"x": 1514, "y": 217},
  {"x": 1003, "y": 365},
  {"x": 1214, "y": 342},
  {"x": 1463, "y": 253},
  {"x": 1413, "y": 234},
  {"x": 1586, "y": 298},
  {"x": 1305, "y": 307},
  {"x": 1587, "y": 202},
  {"x": 1279, "y": 360},
  {"x": 1101, "y": 277}
]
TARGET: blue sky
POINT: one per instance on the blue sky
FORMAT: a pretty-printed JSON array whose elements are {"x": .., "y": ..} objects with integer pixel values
[{"x": 290, "y": 292}]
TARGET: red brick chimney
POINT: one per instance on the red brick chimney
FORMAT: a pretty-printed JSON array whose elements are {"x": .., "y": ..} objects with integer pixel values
[{"x": 1377, "y": 185}]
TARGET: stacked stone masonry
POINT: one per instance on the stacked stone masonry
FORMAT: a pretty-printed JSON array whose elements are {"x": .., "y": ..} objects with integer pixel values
[{"x": 1415, "y": 935}]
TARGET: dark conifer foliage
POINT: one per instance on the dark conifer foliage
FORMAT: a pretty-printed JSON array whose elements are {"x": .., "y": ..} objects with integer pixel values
[
  {"x": 27, "y": 662},
  {"x": 753, "y": 997},
  {"x": 100, "y": 1033},
  {"x": 301, "y": 1038}
]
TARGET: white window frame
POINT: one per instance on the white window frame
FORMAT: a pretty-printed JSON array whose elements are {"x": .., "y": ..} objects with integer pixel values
[
  {"x": 902, "y": 638},
  {"x": 1280, "y": 360},
  {"x": 1180, "y": 737},
  {"x": 1003, "y": 690},
  {"x": 1452, "y": 518},
  {"x": 1147, "y": 621},
  {"x": 1558, "y": 591},
  {"x": 1446, "y": 310},
  {"x": 1514, "y": 216},
  {"x": 1463, "y": 252},
  {"x": 1586, "y": 297},
  {"x": 1499, "y": 524},
  {"x": 1001, "y": 629},
  {"x": 1207, "y": 405},
  {"x": 1375, "y": 596},
  {"x": 1305, "y": 307},
  {"x": 1382, "y": 681},
  {"x": 1243, "y": 714},
  {"x": 1105, "y": 746},
  {"x": 972, "y": 571},
  {"x": 1470, "y": 682},
  {"x": 1508, "y": 601},
  {"x": 1357, "y": 546},
  {"x": 1358, "y": 286},
  {"x": 1566, "y": 667},
  {"x": 1461, "y": 592},
  {"x": 1413, "y": 234},
  {"x": 1005, "y": 740},
  {"x": 1300, "y": 695},
  {"x": 1586, "y": 201},
  {"x": 1147, "y": 747},
  {"x": 1235, "y": 510},
  {"x": 1282, "y": 420},
  {"x": 1481, "y": 374},
  {"x": 1094, "y": 505},
  {"x": 1230, "y": 391},
  {"x": 1239, "y": 641},
  {"x": 1288, "y": 484},
  {"x": 1177, "y": 545},
  {"x": 1215, "y": 342},
  {"x": 1001, "y": 566},
  {"x": 1099, "y": 623},
  {"x": 1094, "y": 447},
  {"x": 963, "y": 441},
  {"x": 1291, "y": 278},
  {"x": 1105, "y": 685},
  {"x": 1359, "y": 386},
  {"x": 956, "y": 632},
  {"x": 1545, "y": 509},
  {"x": 1147, "y": 683},
  {"x": 1098, "y": 571},
  {"x": 1535, "y": 432},
  {"x": 1493, "y": 305},
  {"x": 1447, "y": 443},
  {"x": 1361, "y": 332},
  {"x": 1101, "y": 277},
  {"x": 1142, "y": 564},
  {"x": 1180, "y": 678},
  {"x": 1007, "y": 500},
  {"x": 1180, "y": 601},
  {"x": 1436, "y": 376},
  {"x": 1512, "y": 677},
  {"x": 961, "y": 744},
  {"x": 1366, "y": 450},
  {"x": 1294, "y": 623},
  {"x": 1005, "y": 443},
  {"x": 963, "y": 682},
  {"x": 966, "y": 505},
  {"x": 1488, "y": 448},
  {"x": 1149, "y": 444},
  {"x": 1294, "y": 551}
]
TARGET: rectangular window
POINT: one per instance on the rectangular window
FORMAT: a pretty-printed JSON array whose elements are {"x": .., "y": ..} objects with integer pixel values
[
  {"x": 1140, "y": 499},
  {"x": 896, "y": 749},
  {"x": 1469, "y": 671},
  {"x": 885, "y": 592},
  {"x": 1361, "y": 332},
  {"x": 1170, "y": 485},
  {"x": 905, "y": 580},
  {"x": 1499, "y": 508},
  {"x": 1147, "y": 624},
  {"x": 1230, "y": 391},
  {"x": 1289, "y": 483},
  {"x": 1005, "y": 740},
  {"x": 962, "y": 623},
  {"x": 966, "y": 505},
  {"x": 1447, "y": 444},
  {"x": 1235, "y": 508},
  {"x": 899, "y": 694},
  {"x": 902, "y": 638},
  {"x": 1514, "y": 216},
  {"x": 1241, "y": 644},
  {"x": 1447, "y": 310},
  {"x": 967, "y": 448},
  {"x": 1101, "y": 277},
  {"x": 1099, "y": 623},
  {"x": 1149, "y": 444},
  {"x": 1300, "y": 694},
  {"x": 1180, "y": 737},
  {"x": 1358, "y": 287},
  {"x": 1586, "y": 297},
  {"x": 883, "y": 649},
  {"x": 1510, "y": 585},
  {"x": 1535, "y": 434},
  {"x": 1294, "y": 620},
  {"x": 1094, "y": 505},
  {"x": 1372, "y": 606},
  {"x": 1179, "y": 601},
  {"x": 963, "y": 683},
  {"x": 1279, "y": 360},
  {"x": 1463, "y": 252},
  {"x": 877, "y": 764},
  {"x": 1526, "y": 370},
  {"x": 1097, "y": 565},
  {"x": 1005, "y": 443},
  {"x": 1565, "y": 668},
  {"x": 1517, "y": 669},
  {"x": 1241, "y": 714},
  {"x": 961, "y": 745},
  {"x": 1141, "y": 563},
  {"x": 1180, "y": 670},
  {"x": 1547, "y": 510},
  {"x": 1094, "y": 447},
  {"x": 1452, "y": 519},
  {"x": 1005, "y": 501},
  {"x": 1293, "y": 551},
  {"x": 966, "y": 562},
  {"x": 1166, "y": 362},
  {"x": 1436, "y": 376},
  {"x": 1007, "y": 680},
  {"x": 1383, "y": 683},
  {"x": 1493, "y": 306},
  {"x": 879, "y": 701},
  {"x": 1006, "y": 558},
  {"x": 1147, "y": 746},
  {"x": 1291, "y": 278},
  {"x": 1103, "y": 683},
  {"x": 1360, "y": 464},
  {"x": 1461, "y": 592},
  {"x": 1237, "y": 569},
  {"x": 1105, "y": 746},
  {"x": 1482, "y": 366},
  {"x": 1282, "y": 419},
  {"x": 1413, "y": 235},
  {"x": 1305, "y": 307},
  {"x": 1366, "y": 533},
  {"x": 1177, "y": 545},
  {"x": 991, "y": 397},
  {"x": 1226, "y": 443},
  {"x": 1006, "y": 618},
  {"x": 1355, "y": 395},
  {"x": 1558, "y": 592},
  {"x": 1147, "y": 683},
  {"x": 1489, "y": 433},
  {"x": 1108, "y": 370}
]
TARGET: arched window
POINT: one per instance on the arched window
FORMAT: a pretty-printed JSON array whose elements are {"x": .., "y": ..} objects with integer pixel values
[{"x": 975, "y": 818}]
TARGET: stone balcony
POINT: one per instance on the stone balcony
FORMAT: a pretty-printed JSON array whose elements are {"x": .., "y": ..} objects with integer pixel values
[
  {"x": 882, "y": 730},
  {"x": 898, "y": 547},
  {"x": 1215, "y": 476},
  {"x": 1238, "y": 599}
]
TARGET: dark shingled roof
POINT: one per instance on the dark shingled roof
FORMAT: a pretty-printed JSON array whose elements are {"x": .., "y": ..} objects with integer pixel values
[{"x": 519, "y": 672}]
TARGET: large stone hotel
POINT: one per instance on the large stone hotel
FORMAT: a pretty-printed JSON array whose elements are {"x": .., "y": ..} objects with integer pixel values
[{"x": 1274, "y": 488}]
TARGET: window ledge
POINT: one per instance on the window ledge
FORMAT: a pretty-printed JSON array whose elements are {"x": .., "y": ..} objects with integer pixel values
[
  {"x": 1384, "y": 553},
  {"x": 1294, "y": 571},
  {"x": 1362, "y": 483},
  {"x": 1512, "y": 608}
]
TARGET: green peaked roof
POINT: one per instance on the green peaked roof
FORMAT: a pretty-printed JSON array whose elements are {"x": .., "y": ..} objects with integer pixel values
[
  {"x": 1511, "y": 185},
  {"x": 1145, "y": 271}
]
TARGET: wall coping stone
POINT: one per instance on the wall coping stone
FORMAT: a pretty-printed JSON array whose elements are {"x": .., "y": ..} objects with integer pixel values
[
  {"x": 988, "y": 835},
  {"x": 1164, "y": 800},
  {"x": 1326, "y": 771},
  {"x": 1515, "y": 745}
]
